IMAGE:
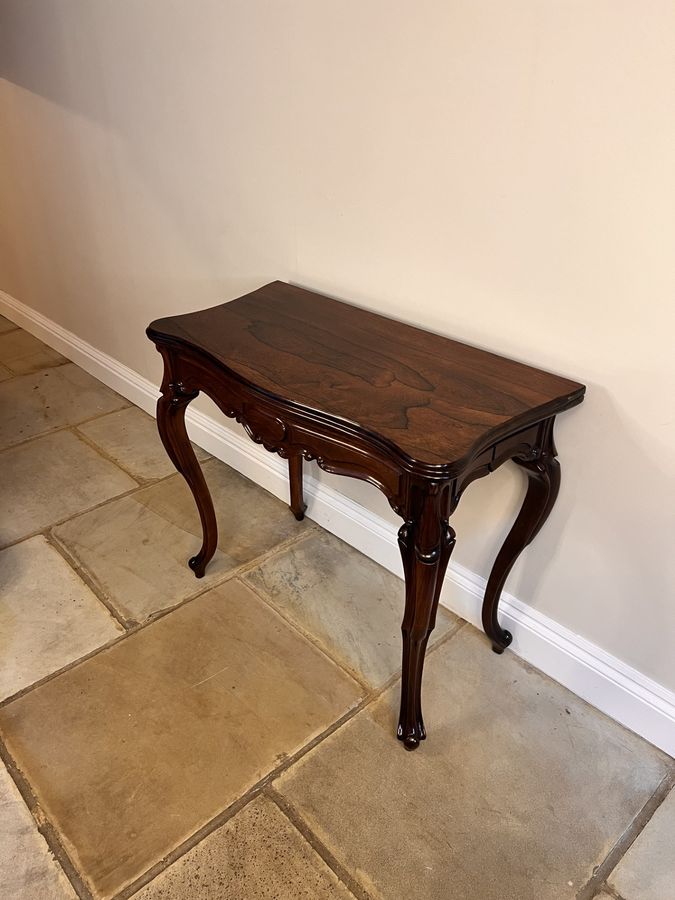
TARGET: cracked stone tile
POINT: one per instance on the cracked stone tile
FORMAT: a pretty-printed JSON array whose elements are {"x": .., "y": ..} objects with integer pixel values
[
  {"x": 21, "y": 353},
  {"x": 349, "y": 603},
  {"x": 137, "y": 548},
  {"x": 130, "y": 437},
  {"x": 38, "y": 403},
  {"x": 519, "y": 789},
  {"x": 134, "y": 749},
  {"x": 51, "y": 478},
  {"x": 257, "y": 854},
  {"x": 48, "y": 616},
  {"x": 647, "y": 871},
  {"x": 28, "y": 871}
]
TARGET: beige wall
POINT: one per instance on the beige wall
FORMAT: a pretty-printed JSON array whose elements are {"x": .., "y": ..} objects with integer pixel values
[{"x": 500, "y": 172}]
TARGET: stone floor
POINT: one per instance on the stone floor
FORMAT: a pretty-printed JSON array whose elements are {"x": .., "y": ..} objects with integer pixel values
[{"x": 233, "y": 737}]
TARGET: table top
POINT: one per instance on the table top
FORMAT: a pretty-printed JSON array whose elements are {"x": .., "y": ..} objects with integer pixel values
[{"x": 434, "y": 398}]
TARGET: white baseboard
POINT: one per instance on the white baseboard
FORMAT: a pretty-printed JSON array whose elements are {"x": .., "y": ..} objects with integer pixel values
[{"x": 606, "y": 682}]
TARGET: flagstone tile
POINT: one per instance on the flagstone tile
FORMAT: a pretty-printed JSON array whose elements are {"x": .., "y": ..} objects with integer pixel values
[
  {"x": 136, "y": 558},
  {"x": 520, "y": 789},
  {"x": 52, "y": 398},
  {"x": 130, "y": 437},
  {"x": 647, "y": 871},
  {"x": 142, "y": 744},
  {"x": 28, "y": 871},
  {"x": 137, "y": 548},
  {"x": 349, "y": 603},
  {"x": 257, "y": 854},
  {"x": 48, "y": 616},
  {"x": 51, "y": 478},
  {"x": 21, "y": 353}
]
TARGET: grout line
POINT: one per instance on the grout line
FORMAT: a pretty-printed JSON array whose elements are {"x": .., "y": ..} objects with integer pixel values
[
  {"x": 610, "y": 891},
  {"x": 51, "y": 833},
  {"x": 183, "y": 848},
  {"x": 80, "y": 567},
  {"x": 302, "y": 535},
  {"x": 87, "y": 441},
  {"x": 299, "y": 537},
  {"x": 142, "y": 480},
  {"x": 630, "y": 834},
  {"x": 50, "y": 432},
  {"x": 308, "y": 636},
  {"x": 134, "y": 490},
  {"x": 44, "y": 826},
  {"x": 312, "y": 639},
  {"x": 128, "y": 633},
  {"x": 316, "y": 843},
  {"x": 271, "y": 776},
  {"x": 452, "y": 632},
  {"x": 228, "y": 575},
  {"x": 54, "y": 365},
  {"x": 266, "y": 783},
  {"x": 234, "y": 807},
  {"x": 58, "y": 429},
  {"x": 138, "y": 487},
  {"x": 325, "y": 650},
  {"x": 76, "y": 515},
  {"x": 99, "y": 451},
  {"x": 131, "y": 627},
  {"x": 84, "y": 576},
  {"x": 66, "y": 668}
]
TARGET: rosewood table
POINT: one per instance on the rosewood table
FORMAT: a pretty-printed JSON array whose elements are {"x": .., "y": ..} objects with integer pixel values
[{"x": 416, "y": 414}]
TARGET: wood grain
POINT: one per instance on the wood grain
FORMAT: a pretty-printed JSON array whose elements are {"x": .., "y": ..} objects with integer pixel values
[{"x": 434, "y": 398}]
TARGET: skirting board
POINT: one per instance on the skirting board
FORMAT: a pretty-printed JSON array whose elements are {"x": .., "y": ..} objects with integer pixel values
[{"x": 607, "y": 683}]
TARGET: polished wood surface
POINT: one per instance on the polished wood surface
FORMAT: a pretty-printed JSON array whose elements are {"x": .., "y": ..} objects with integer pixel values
[
  {"x": 433, "y": 399},
  {"x": 418, "y": 415}
]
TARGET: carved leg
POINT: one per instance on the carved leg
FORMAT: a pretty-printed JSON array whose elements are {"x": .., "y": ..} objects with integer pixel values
[
  {"x": 426, "y": 544},
  {"x": 298, "y": 506},
  {"x": 171, "y": 408},
  {"x": 542, "y": 490}
]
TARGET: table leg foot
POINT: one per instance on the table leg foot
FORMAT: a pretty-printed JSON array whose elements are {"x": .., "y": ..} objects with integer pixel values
[
  {"x": 426, "y": 543},
  {"x": 542, "y": 490},
  {"x": 411, "y": 741},
  {"x": 504, "y": 638},
  {"x": 197, "y": 565}
]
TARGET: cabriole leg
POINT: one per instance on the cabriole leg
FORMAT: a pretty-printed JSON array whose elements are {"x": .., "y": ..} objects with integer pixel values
[
  {"x": 542, "y": 490},
  {"x": 171, "y": 408},
  {"x": 297, "y": 505},
  {"x": 426, "y": 543}
]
